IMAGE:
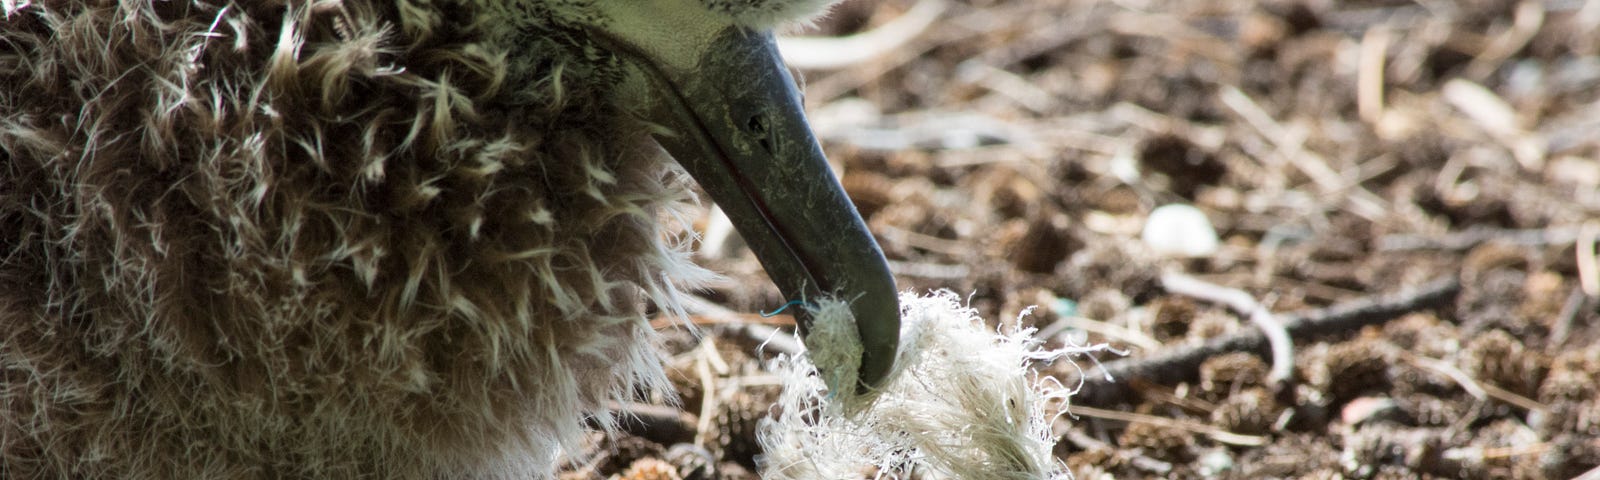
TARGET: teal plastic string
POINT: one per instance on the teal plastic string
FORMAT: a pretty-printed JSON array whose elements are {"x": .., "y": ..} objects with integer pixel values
[{"x": 782, "y": 308}]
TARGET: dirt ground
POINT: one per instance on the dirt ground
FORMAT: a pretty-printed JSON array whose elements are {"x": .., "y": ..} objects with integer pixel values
[{"x": 1412, "y": 187}]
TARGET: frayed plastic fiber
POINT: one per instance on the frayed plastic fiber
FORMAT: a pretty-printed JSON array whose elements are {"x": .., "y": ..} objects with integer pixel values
[
  {"x": 961, "y": 402},
  {"x": 780, "y": 309},
  {"x": 838, "y": 356}
]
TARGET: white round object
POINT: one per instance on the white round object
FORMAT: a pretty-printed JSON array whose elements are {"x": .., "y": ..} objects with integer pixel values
[{"x": 1180, "y": 230}]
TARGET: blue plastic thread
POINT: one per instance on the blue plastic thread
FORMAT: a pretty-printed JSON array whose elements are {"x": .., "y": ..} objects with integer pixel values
[
  {"x": 833, "y": 391},
  {"x": 782, "y": 308}
]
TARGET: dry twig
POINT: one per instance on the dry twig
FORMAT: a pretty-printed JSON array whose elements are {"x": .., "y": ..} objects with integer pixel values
[
  {"x": 659, "y": 423},
  {"x": 1576, "y": 301},
  {"x": 1243, "y": 303},
  {"x": 1466, "y": 239},
  {"x": 1218, "y": 434},
  {"x": 1182, "y": 365}
]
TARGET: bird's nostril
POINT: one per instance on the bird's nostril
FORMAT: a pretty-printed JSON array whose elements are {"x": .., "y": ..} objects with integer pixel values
[{"x": 757, "y": 126}]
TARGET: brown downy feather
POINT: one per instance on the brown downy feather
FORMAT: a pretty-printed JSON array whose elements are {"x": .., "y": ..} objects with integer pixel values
[{"x": 319, "y": 239}]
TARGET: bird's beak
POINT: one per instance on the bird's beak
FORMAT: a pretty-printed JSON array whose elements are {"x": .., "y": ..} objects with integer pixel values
[{"x": 738, "y": 127}]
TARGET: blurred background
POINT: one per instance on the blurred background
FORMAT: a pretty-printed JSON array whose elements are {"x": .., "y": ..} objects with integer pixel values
[{"x": 1119, "y": 163}]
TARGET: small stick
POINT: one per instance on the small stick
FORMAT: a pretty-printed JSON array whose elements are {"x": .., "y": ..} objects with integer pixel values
[
  {"x": 1588, "y": 272},
  {"x": 1569, "y": 312},
  {"x": 1244, "y": 304},
  {"x": 1183, "y": 364},
  {"x": 1466, "y": 239},
  {"x": 708, "y": 389},
  {"x": 765, "y": 338},
  {"x": 659, "y": 423},
  {"x": 1110, "y": 331},
  {"x": 926, "y": 242},
  {"x": 664, "y": 322},
  {"x": 1369, "y": 75},
  {"x": 1218, "y": 434},
  {"x": 1482, "y": 391},
  {"x": 759, "y": 329},
  {"x": 1290, "y": 145},
  {"x": 1141, "y": 462},
  {"x": 1513, "y": 451},
  {"x": 1461, "y": 378},
  {"x": 937, "y": 271},
  {"x": 1525, "y": 23},
  {"x": 832, "y": 53}
]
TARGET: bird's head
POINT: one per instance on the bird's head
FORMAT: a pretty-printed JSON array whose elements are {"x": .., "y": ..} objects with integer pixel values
[{"x": 709, "y": 73}]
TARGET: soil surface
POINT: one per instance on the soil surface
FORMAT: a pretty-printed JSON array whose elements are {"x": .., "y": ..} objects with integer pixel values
[{"x": 1411, "y": 188}]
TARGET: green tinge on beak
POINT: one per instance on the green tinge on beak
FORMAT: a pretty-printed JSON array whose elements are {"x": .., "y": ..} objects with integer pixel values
[{"x": 740, "y": 131}]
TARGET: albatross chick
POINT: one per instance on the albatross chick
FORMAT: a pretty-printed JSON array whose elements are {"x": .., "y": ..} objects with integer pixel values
[{"x": 380, "y": 238}]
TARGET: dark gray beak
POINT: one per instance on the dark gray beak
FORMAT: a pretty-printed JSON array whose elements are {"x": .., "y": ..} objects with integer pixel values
[{"x": 738, "y": 127}]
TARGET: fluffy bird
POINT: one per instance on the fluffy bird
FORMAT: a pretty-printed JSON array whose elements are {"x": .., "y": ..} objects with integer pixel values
[{"x": 380, "y": 238}]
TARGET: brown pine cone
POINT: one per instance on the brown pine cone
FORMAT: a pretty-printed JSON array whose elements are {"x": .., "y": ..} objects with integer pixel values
[{"x": 651, "y": 468}]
